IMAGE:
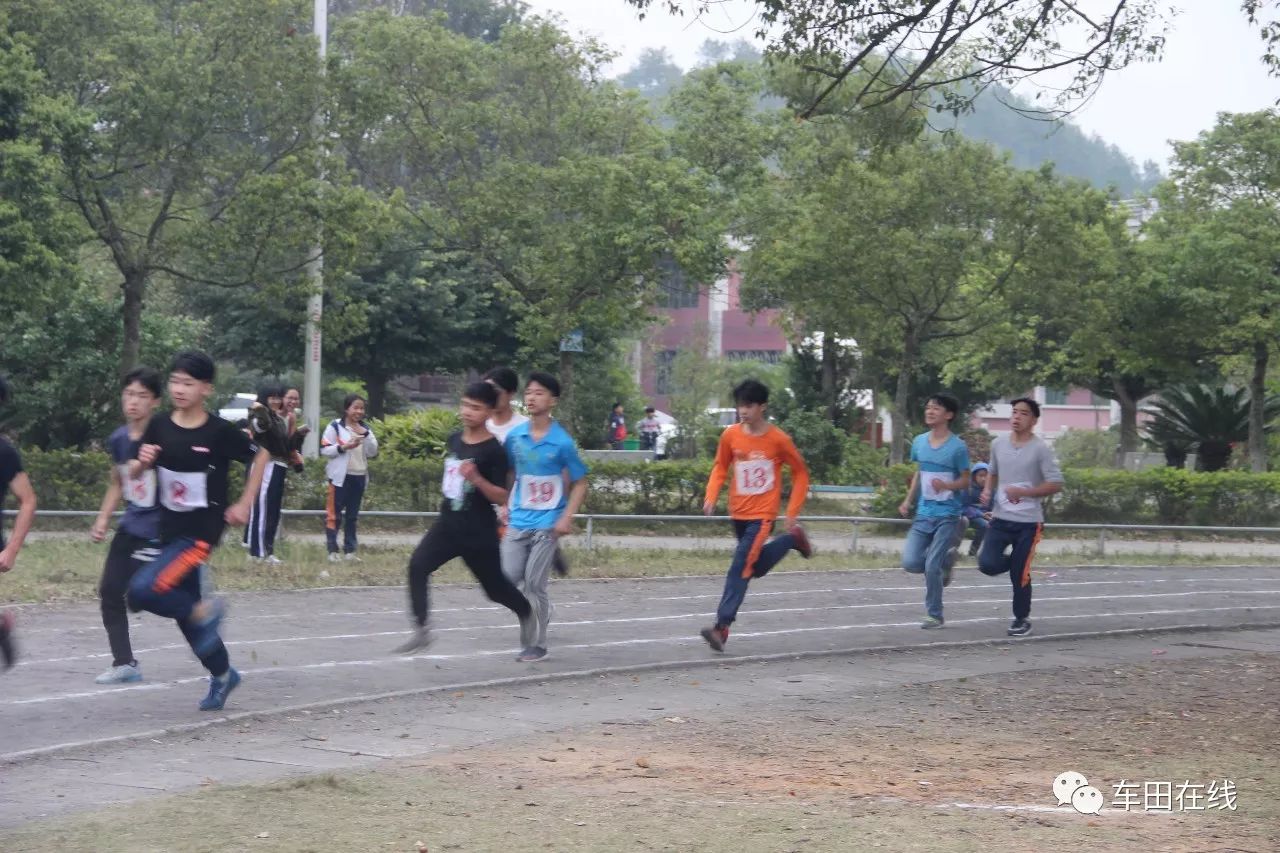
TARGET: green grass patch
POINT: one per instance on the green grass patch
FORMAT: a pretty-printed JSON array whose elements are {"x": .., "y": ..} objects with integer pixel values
[{"x": 64, "y": 570}]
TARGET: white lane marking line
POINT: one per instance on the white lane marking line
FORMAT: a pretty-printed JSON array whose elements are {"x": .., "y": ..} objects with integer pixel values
[
  {"x": 93, "y": 626},
  {"x": 630, "y": 619},
  {"x": 677, "y": 640},
  {"x": 543, "y": 678}
]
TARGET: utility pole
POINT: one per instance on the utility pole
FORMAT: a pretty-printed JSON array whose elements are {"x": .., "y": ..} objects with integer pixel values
[{"x": 315, "y": 277}]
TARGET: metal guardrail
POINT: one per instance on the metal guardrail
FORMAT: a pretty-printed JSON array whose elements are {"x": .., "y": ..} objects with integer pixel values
[{"x": 855, "y": 520}]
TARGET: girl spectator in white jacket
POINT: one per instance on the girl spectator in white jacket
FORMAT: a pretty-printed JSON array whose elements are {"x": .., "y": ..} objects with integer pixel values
[{"x": 348, "y": 444}]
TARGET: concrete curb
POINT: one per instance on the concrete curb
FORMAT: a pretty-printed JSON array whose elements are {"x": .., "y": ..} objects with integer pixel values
[{"x": 574, "y": 675}]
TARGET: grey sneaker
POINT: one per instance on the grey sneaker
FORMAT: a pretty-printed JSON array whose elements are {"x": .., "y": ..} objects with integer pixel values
[
  {"x": 335, "y": 557},
  {"x": 532, "y": 654},
  {"x": 931, "y": 622},
  {"x": 1019, "y": 628},
  {"x": 418, "y": 640},
  {"x": 122, "y": 674}
]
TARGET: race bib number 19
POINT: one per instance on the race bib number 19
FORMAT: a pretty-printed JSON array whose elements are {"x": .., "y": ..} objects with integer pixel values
[
  {"x": 753, "y": 476},
  {"x": 541, "y": 492}
]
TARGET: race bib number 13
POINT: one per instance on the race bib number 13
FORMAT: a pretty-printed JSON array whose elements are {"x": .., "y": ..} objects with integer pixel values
[
  {"x": 541, "y": 492},
  {"x": 753, "y": 476}
]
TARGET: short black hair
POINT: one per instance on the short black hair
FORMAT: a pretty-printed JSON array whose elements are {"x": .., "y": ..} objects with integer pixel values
[
  {"x": 946, "y": 401},
  {"x": 195, "y": 364},
  {"x": 751, "y": 391},
  {"x": 147, "y": 378},
  {"x": 546, "y": 380},
  {"x": 269, "y": 390},
  {"x": 1031, "y": 404},
  {"x": 504, "y": 377},
  {"x": 348, "y": 400},
  {"x": 481, "y": 392},
  {"x": 4, "y": 390},
  {"x": 616, "y": 405},
  {"x": 649, "y": 410}
]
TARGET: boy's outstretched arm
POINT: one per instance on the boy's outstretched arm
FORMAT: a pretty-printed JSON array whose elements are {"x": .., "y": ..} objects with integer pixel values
[{"x": 719, "y": 472}]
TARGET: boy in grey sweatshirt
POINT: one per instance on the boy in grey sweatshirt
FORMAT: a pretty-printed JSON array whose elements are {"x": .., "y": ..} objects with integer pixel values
[{"x": 1024, "y": 472}]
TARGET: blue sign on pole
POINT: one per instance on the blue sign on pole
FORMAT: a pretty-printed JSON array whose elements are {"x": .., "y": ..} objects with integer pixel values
[{"x": 572, "y": 342}]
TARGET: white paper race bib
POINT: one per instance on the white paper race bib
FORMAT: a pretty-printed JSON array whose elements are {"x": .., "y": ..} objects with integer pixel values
[
  {"x": 753, "y": 476},
  {"x": 139, "y": 491},
  {"x": 453, "y": 479},
  {"x": 183, "y": 491},
  {"x": 543, "y": 492},
  {"x": 930, "y": 493},
  {"x": 1025, "y": 506}
]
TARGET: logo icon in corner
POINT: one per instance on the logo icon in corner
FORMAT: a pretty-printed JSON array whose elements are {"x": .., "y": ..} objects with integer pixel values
[{"x": 1073, "y": 789}]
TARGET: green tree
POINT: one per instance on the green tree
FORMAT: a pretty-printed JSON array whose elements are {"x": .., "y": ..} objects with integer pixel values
[
  {"x": 38, "y": 235},
  {"x": 1218, "y": 233},
  {"x": 517, "y": 153},
  {"x": 197, "y": 162},
  {"x": 899, "y": 251},
  {"x": 1209, "y": 419},
  {"x": 62, "y": 362},
  {"x": 865, "y": 45}
]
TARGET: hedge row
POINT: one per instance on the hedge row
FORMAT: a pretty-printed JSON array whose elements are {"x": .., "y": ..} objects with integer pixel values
[
  {"x": 76, "y": 480},
  {"x": 1154, "y": 496}
]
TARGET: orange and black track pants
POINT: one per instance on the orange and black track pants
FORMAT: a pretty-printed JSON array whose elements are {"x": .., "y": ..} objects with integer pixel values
[
  {"x": 755, "y": 555},
  {"x": 170, "y": 586},
  {"x": 1019, "y": 539}
]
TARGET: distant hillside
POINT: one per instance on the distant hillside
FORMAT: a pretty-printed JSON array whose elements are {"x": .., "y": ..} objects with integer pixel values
[
  {"x": 1028, "y": 141},
  {"x": 1070, "y": 149}
]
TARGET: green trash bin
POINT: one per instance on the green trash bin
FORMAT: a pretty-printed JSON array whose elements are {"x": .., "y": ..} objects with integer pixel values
[{"x": 631, "y": 444}]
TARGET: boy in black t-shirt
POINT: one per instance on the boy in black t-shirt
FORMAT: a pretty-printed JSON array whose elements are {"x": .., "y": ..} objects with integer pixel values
[
  {"x": 191, "y": 451},
  {"x": 475, "y": 474},
  {"x": 12, "y": 478}
]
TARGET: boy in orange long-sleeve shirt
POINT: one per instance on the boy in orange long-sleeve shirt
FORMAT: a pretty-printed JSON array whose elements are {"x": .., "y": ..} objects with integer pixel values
[{"x": 753, "y": 452}]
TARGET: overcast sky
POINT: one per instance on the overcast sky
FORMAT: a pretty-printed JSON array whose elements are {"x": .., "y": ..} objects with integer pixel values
[{"x": 1211, "y": 65}]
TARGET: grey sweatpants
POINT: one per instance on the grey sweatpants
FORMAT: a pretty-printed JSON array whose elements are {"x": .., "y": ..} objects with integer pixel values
[{"x": 527, "y": 556}]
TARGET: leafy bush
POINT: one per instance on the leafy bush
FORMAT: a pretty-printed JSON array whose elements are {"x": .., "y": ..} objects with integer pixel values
[
  {"x": 1087, "y": 448},
  {"x": 66, "y": 479},
  {"x": 820, "y": 442},
  {"x": 418, "y": 435},
  {"x": 862, "y": 465},
  {"x": 657, "y": 488}
]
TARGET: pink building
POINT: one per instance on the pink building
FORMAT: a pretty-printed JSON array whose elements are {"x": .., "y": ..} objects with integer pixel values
[
  {"x": 1073, "y": 408},
  {"x": 708, "y": 316}
]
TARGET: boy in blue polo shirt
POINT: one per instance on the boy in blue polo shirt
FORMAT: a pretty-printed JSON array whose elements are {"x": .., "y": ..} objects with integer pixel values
[
  {"x": 548, "y": 483},
  {"x": 941, "y": 478}
]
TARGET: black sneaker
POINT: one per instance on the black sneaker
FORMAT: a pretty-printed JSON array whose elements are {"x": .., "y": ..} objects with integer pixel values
[
  {"x": 560, "y": 565},
  {"x": 1019, "y": 627},
  {"x": 716, "y": 637},
  {"x": 949, "y": 565}
]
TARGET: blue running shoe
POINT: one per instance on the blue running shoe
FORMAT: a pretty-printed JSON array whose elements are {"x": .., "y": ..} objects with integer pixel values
[{"x": 219, "y": 691}]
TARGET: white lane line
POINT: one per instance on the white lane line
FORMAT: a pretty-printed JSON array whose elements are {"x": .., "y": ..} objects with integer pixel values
[
  {"x": 544, "y": 678},
  {"x": 242, "y": 616},
  {"x": 634, "y": 619},
  {"x": 680, "y": 640}
]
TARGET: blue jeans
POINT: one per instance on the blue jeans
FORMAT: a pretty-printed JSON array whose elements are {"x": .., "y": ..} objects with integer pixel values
[
  {"x": 928, "y": 542},
  {"x": 755, "y": 555}
]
